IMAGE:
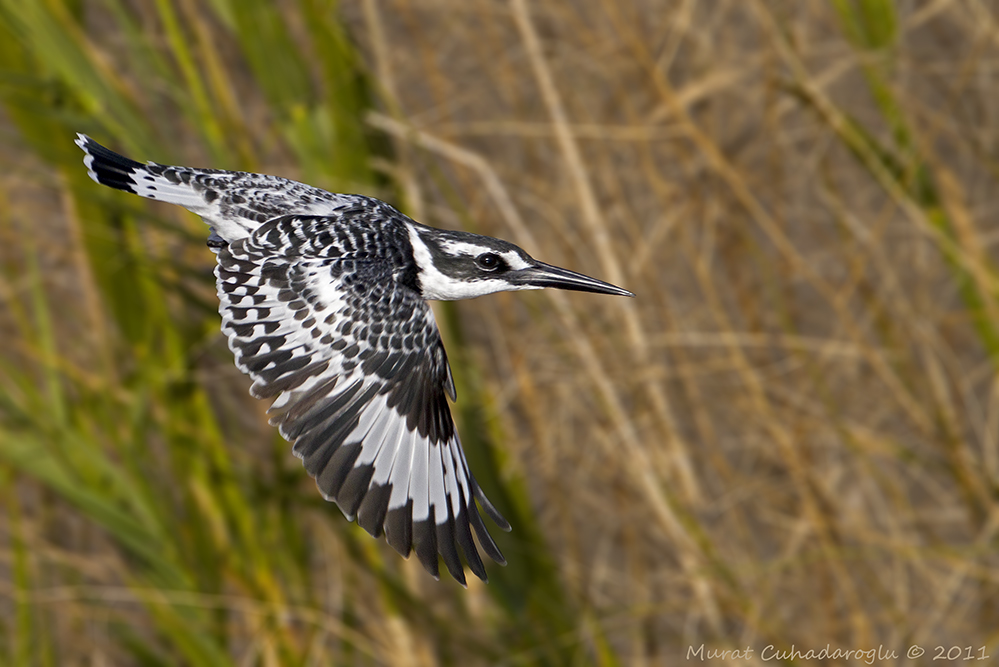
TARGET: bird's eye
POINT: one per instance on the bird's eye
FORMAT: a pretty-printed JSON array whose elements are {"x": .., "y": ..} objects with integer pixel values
[{"x": 489, "y": 261}]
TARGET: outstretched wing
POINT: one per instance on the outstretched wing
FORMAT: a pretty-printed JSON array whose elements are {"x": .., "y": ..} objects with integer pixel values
[
  {"x": 233, "y": 202},
  {"x": 355, "y": 363}
]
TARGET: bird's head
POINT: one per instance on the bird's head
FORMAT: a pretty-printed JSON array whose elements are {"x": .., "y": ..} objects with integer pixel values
[{"x": 459, "y": 265}]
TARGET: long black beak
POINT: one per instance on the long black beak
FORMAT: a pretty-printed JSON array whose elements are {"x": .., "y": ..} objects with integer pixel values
[{"x": 546, "y": 275}]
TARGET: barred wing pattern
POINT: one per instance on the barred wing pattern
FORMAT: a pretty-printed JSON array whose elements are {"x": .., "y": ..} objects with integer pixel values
[{"x": 324, "y": 322}]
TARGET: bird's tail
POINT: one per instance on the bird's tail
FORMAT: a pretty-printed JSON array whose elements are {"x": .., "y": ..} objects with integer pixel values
[{"x": 173, "y": 185}]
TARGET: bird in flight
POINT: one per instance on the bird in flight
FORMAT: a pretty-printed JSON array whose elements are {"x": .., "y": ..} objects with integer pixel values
[{"x": 324, "y": 302}]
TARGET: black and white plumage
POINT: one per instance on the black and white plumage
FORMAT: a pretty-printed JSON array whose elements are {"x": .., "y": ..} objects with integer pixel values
[{"x": 324, "y": 302}]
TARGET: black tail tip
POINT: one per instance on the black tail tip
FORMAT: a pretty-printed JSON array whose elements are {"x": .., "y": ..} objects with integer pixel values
[{"x": 106, "y": 167}]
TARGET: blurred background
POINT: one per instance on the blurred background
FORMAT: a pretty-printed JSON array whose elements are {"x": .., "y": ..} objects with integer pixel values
[{"x": 791, "y": 435}]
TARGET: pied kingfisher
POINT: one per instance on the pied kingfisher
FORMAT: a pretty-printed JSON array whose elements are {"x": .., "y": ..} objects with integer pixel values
[{"x": 324, "y": 302}]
